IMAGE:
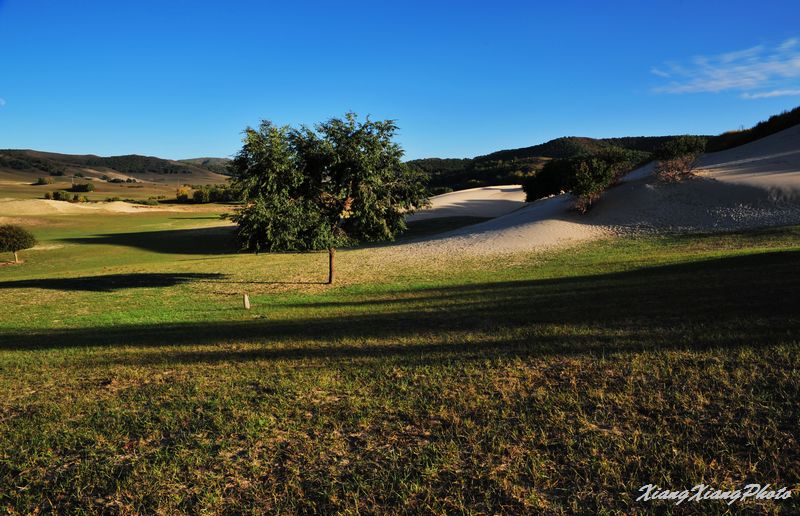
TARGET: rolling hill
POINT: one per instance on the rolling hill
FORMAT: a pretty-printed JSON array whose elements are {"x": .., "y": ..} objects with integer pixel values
[{"x": 129, "y": 176}]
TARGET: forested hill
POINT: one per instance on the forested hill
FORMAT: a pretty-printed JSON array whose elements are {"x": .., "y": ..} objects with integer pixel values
[
  {"x": 512, "y": 166},
  {"x": 58, "y": 164},
  {"x": 217, "y": 165}
]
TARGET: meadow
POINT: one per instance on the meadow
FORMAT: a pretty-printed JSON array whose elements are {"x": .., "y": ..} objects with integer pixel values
[{"x": 132, "y": 380}]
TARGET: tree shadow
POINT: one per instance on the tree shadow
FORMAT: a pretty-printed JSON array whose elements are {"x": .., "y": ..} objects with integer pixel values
[
  {"x": 215, "y": 240},
  {"x": 749, "y": 300},
  {"x": 112, "y": 282}
]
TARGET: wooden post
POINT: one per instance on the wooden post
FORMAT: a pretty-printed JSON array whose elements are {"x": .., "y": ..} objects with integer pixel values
[
  {"x": 331, "y": 269},
  {"x": 246, "y": 302},
  {"x": 16, "y": 258}
]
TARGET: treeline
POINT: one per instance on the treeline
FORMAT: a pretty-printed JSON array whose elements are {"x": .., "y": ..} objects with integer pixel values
[
  {"x": 20, "y": 161},
  {"x": 588, "y": 175},
  {"x": 203, "y": 194},
  {"x": 458, "y": 174},
  {"x": 515, "y": 166},
  {"x": 216, "y": 165},
  {"x": 59, "y": 164},
  {"x": 774, "y": 124}
]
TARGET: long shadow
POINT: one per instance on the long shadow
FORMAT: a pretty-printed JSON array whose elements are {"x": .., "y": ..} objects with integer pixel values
[
  {"x": 112, "y": 282},
  {"x": 215, "y": 240},
  {"x": 750, "y": 300}
]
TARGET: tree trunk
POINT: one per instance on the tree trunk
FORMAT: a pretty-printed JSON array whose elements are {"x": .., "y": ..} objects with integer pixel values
[
  {"x": 16, "y": 258},
  {"x": 331, "y": 269}
]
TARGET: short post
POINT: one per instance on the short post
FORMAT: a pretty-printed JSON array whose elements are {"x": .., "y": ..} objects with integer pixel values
[{"x": 246, "y": 302}]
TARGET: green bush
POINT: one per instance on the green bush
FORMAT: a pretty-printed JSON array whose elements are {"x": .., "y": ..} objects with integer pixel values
[
  {"x": 201, "y": 196},
  {"x": 60, "y": 195},
  {"x": 44, "y": 181},
  {"x": 591, "y": 179},
  {"x": 14, "y": 239},
  {"x": 552, "y": 179},
  {"x": 83, "y": 187}
]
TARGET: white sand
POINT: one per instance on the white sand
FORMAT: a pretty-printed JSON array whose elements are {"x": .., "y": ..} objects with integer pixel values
[
  {"x": 751, "y": 186},
  {"x": 489, "y": 201}
]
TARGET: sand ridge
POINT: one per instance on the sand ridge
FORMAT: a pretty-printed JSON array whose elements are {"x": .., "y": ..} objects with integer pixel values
[{"x": 754, "y": 185}]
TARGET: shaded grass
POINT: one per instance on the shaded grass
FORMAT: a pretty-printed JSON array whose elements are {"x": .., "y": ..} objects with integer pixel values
[{"x": 557, "y": 383}]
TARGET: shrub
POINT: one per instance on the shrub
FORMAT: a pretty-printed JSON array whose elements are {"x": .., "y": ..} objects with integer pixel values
[
  {"x": 676, "y": 169},
  {"x": 60, "y": 195},
  {"x": 48, "y": 195},
  {"x": 552, "y": 179},
  {"x": 79, "y": 174},
  {"x": 201, "y": 196},
  {"x": 83, "y": 187},
  {"x": 591, "y": 178},
  {"x": 44, "y": 181},
  {"x": 183, "y": 193},
  {"x": 14, "y": 239}
]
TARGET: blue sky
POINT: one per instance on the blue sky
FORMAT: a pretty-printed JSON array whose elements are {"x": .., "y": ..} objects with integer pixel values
[{"x": 182, "y": 79}]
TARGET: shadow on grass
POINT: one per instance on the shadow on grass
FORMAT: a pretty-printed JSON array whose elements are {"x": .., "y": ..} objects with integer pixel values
[
  {"x": 215, "y": 240},
  {"x": 112, "y": 282},
  {"x": 749, "y": 300}
]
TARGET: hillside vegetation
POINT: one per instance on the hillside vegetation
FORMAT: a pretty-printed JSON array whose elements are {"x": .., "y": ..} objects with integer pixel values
[
  {"x": 772, "y": 125},
  {"x": 216, "y": 165},
  {"x": 67, "y": 163},
  {"x": 514, "y": 166}
]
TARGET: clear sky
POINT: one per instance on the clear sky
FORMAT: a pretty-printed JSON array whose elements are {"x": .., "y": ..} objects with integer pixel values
[{"x": 181, "y": 79}]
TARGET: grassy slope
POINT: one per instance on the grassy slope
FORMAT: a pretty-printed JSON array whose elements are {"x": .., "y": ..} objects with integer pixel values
[{"x": 130, "y": 378}]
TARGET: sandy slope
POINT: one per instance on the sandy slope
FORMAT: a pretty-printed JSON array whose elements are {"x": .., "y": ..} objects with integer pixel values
[
  {"x": 751, "y": 186},
  {"x": 489, "y": 201}
]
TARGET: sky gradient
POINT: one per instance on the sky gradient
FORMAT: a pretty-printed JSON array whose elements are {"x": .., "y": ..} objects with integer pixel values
[{"x": 461, "y": 78}]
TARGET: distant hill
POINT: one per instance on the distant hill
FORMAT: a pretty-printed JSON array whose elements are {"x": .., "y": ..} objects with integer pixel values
[
  {"x": 132, "y": 164},
  {"x": 30, "y": 173},
  {"x": 511, "y": 166},
  {"x": 217, "y": 165}
]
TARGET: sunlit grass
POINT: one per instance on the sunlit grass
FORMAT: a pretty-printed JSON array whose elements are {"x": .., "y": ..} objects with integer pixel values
[{"x": 131, "y": 379}]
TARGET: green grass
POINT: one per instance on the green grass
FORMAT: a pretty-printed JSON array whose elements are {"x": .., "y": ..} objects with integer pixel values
[{"x": 131, "y": 380}]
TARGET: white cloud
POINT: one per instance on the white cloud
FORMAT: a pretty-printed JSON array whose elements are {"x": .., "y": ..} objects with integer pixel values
[
  {"x": 747, "y": 70},
  {"x": 770, "y": 94}
]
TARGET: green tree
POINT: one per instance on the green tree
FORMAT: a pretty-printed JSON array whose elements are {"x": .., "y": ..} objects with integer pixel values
[
  {"x": 339, "y": 183},
  {"x": 14, "y": 239}
]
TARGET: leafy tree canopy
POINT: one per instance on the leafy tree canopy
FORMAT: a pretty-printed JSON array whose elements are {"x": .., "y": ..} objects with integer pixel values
[
  {"x": 14, "y": 239},
  {"x": 339, "y": 183}
]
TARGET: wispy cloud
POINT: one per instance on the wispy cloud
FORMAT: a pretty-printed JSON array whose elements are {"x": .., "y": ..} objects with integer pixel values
[
  {"x": 2, "y": 102},
  {"x": 770, "y": 94},
  {"x": 749, "y": 71}
]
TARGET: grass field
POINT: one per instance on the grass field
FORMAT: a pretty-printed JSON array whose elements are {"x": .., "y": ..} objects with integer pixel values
[{"x": 131, "y": 379}]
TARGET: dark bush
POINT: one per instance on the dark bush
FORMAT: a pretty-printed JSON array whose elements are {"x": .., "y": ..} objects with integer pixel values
[
  {"x": 591, "y": 178},
  {"x": 201, "y": 196},
  {"x": 83, "y": 187},
  {"x": 552, "y": 179}
]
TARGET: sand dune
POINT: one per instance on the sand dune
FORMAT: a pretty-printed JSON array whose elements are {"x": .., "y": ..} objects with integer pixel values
[
  {"x": 489, "y": 201},
  {"x": 754, "y": 185}
]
